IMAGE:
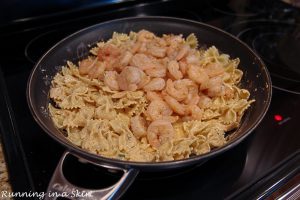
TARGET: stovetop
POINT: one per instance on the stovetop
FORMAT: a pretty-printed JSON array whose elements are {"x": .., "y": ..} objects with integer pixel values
[{"x": 271, "y": 28}]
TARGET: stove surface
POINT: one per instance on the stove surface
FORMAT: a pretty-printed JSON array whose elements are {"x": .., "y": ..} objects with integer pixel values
[{"x": 270, "y": 28}]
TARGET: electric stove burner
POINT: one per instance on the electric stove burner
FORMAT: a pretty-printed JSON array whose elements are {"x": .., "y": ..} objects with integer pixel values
[
  {"x": 239, "y": 8},
  {"x": 41, "y": 43},
  {"x": 278, "y": 43},
  {"x": 295, "y": 3},
  {"x": 277, "y": 53}
]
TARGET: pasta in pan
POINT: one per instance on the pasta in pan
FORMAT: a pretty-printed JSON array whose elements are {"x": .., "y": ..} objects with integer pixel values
[{"x": 140, "y": 97}]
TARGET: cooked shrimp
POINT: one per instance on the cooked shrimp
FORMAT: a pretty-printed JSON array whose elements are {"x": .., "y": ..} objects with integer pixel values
[
  {"x": 129, "y": 78},
  {"x": 86, "y": 65},
  {"x": 171, "y": 52},
  {"x": 143, "y": 47},
  {"x": 215, "y": 87},
  {"x": 204, "y": 101},
  {"x": 97, "y": 71},
  {"x": 192, "y": 59},
  {"x": 192, "y": 88},
  {"x": 192, "y": 97},
  {"x": 173, "y": 68},
  {"x": 184, "y": 82},
  {"x": 216, "y": 91},
  {"x": 144, "y": 81},
  {"x": 197, "y": 74},
  {"x": 195, "y": 112},
  {"x": 93, "y": 68},
  {"x": 174, "y": 104},
  {"x": 125, "y": 58},
  {"x": 174, "y": 41},
  {"x": 159, "y": 132},
  {"x": 138, "y": 126},
  {"x": 214, "y": 69},
  {"x": 183, "y": 51},
  {"x": 111, "y": 64},
  {"x": 156, "y": 51},
  {"x": 160, "y": 41},
  {"x": 157, "y": 71},
  {"x": 183, "y": 66},
  {"x": 152, "y": 96},
  {"x": 155, "y": 84},
  {"x": 135, "y": 46},
  {"x": 177, "y": 91},
  {"x": 110, "y": 80},
  {"x": 108, "y": 52},
  {"x": 157, "y": 109},
  {"x": 163, "y": 61},
  {"x": 142, "y": 61},
  {"x": 145, "y": 36}
]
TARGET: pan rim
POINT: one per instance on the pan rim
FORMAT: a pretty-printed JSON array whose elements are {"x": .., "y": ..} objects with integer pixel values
[{"x": 162, "y": 164}]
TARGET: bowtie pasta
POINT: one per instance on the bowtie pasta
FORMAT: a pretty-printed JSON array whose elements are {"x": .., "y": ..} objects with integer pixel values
[{"x": 140, "y": 97}]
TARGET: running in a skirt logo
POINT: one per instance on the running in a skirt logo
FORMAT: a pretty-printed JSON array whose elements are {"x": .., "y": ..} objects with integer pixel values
[{"x": 64, "y": 191}]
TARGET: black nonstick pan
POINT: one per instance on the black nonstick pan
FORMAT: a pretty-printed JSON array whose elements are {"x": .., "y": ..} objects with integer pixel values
[{"x": 75, "y": 47}]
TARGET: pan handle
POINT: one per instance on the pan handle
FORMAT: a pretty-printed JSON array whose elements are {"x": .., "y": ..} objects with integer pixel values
[{"x": 59, "y": 186}]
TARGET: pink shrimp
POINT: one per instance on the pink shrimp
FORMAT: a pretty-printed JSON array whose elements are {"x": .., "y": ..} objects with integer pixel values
[
  {"x": 138, "y": 126},
  {"x": 173, "y": 68},
  {"x": 192, "y": 97},
  {"x": 142, "y": 61},
  {"x": 108, "y": 52},
  {"x": 93, "y": 68},
  {"x": 110, "y": 80},
  {"x": 215, "y": 87},
  {"x": 183, "y": 51},
  {"x": 156, "y": 51},
  {"x": 145, "y": 36},
  {"x": 204, "y": 101},
  {"x": 157, "y": 109},
  {"x": 177, "y": 91},
  {"x": 158, "y": 71},
  {"x": 174, "y": 104},
  {"x": 155, "y": 84},
  {"x": 125, "y": 58},
  {"x": 129, "y": 78},
  {"x": 174, "y": 41},
  {"x": 159, "y": 132},
  {"x": 86, "y": 65},
  {"x": 214, "y": 69},
  {"x": 152, "y": 96},
  {"x": 144, "y": 81},
  {"x": 195, "y": 112},
  {"x": 197, "y": 74},
  {"x": 192, "y": 59},
  {"x": 183, "y": 66}
]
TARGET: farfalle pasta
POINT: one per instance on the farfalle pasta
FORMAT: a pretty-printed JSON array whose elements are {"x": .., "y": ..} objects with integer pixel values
[{"x": 140, "y": 97}]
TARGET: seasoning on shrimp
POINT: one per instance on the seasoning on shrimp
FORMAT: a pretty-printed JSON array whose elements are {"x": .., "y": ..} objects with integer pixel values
[{"x": 149, "y": 98}]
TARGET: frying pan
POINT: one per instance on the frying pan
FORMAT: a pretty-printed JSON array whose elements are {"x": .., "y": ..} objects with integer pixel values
[{"x": 76, "y": 47}]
